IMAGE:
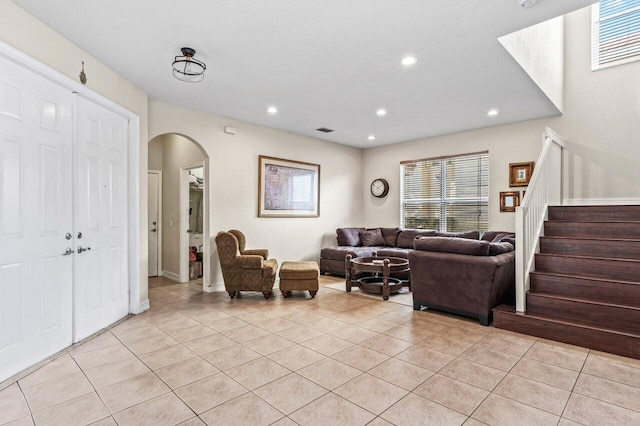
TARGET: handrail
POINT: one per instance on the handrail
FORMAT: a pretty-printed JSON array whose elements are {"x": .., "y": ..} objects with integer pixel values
[{"x": 544, "y": 190}]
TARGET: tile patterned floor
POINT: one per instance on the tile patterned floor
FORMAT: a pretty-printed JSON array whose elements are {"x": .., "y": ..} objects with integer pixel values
[{"x": 338, "y": 359}]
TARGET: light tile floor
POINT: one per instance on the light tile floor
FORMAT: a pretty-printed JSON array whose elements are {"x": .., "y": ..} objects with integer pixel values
[{"x": 338, "y": 359}]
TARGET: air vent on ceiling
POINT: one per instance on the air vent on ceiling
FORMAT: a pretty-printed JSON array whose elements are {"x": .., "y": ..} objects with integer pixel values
[{"x": 324, "y": 130}]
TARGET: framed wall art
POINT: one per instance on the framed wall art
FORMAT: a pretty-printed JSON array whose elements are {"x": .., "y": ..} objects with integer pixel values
[
  {"x": 509, "y": 201},
  {"x": 520, "y": 173},
  {"x": 288, "y": 188}
]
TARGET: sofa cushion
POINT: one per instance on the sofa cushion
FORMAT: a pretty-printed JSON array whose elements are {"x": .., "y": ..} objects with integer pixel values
[
  {"x": 503, "y": 237},
  {"x": 470, "y": 235},
  {"x": 372, "y": 237},
  {"x": 490, "y": 235},
  {"x": 406, "y": 237},
  {"x": 453, "y": 245},
  {"x": 390, "y": 236},
  {"x": 499, "y": 248},
  {"x": 393, "y": 252},
  {"x": 349, "y": 236},
  {"x": 338, "y": 253}
]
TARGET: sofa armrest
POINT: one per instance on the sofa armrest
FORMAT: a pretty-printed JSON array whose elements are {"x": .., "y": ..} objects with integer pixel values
[
  {"x": 249, "y": 261},
  {"x": 260, "y": 252}
]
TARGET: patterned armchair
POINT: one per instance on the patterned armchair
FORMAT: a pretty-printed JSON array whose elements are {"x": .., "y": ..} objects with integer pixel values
[{"x": 244, "y": 270}]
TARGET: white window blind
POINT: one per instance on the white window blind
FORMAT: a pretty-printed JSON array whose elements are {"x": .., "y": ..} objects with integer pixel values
[
  {"x": 616, "y": 33},
  {"x": 449, "y": 194}
]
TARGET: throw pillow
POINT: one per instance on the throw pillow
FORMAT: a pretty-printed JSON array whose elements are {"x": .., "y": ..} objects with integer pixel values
[
  {"x": 499, "y": 248},
  {"x": 502, "y": 237},
  {"x": 349, "y": 236},
  {"x": 372, "y": 237},
  {"x": 453, "y": 245},
  {"x": 390, "y": 236},
  {"x": 470, "y": 235},
  {"x": 491, "y": 235},
  {"x": 406, "y": 237}
]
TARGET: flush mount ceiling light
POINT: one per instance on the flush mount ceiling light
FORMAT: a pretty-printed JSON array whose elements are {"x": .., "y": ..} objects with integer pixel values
[
  {"x": 371, "y": 138},
  {"x": 381, "y": 112},
  {"x": 272, "y": 110},
  {"x": 185, "y": 68},
  {"x": 409, "y": 60},
  {"x": 492, "y": 112},
  {"x": 527, "y": 3}
]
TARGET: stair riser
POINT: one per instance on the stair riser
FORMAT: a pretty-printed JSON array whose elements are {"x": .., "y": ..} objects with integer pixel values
[
  {"x": 619, "y": 270},
  {"x": 595, "y": 213},
  {"x": 602, "y": 316},
  {"x": 593, "y": 339},
  {"x": 594, "y": 248},
  {"x": 623, "y": 230},
  {"x": 601, "y": 291}
]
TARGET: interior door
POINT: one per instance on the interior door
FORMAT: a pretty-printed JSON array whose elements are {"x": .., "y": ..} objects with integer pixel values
[
  {"x": 154, "y": 205},
  {"x": 100, "y": 219},
  {"x": 35, "y": 216}
]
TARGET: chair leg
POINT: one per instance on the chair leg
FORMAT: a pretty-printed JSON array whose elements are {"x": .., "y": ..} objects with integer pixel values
[
  {"x": 313, "y": 293},
  {"x": 266, "y": 294},
  {"x": 232, "y": 294},
  {"x": 285, "y": 293}
]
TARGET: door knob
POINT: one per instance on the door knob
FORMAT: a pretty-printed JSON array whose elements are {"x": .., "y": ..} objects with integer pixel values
[
  {"x": 154, "y": 230},
  {"x": 67, "y": 251},
  {"x": 81, "y": 249}
]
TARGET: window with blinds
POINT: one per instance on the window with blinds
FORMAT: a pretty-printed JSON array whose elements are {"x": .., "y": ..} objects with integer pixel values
[
  {"x": 449, "y": 194},
  {"x": 616, "y": 33}
]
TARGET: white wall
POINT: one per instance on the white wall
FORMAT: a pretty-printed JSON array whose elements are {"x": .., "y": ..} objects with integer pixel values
[
  {"x": 34, "y": 38},
  {"x": 177, "y": 151},
  {"x": 233, "y": 182},
  {"x": 601, "y": 125}
]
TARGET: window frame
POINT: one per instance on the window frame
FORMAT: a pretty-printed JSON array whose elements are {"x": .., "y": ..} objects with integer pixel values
[
  {"x": 595, "y": 40},
  {"x": 443, "y": 200}
]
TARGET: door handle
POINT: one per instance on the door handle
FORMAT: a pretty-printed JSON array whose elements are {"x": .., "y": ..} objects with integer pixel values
[
  {"x": 67, "y": 251},
  {"x": 81, "y": 249},
  {"x": 154, "y": 230}
]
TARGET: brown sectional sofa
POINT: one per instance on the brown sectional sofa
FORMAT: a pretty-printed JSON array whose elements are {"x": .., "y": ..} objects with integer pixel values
[{"x": 462, "y": 273}]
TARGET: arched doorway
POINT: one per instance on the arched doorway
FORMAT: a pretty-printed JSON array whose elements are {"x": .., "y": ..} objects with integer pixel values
[{"x": 178, "y": 209}]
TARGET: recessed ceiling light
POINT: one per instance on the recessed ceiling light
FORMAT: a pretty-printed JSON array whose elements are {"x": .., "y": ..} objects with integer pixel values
[
  {"x": 272, "y": 110},
  {"x": 371, "y": 138},
  {"x": 409, "y": 60},
  {"x": 381, "y": 112},
  {"x": 492, "y": 112}
]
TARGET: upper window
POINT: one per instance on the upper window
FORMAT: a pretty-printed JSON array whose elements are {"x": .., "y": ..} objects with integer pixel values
[
  {"x": 449, "y": 194},
  {"x": 616, "y": 33}
]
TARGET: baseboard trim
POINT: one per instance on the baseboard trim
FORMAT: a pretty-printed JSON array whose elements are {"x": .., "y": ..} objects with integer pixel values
[
  {"x": 171, "y": 276},
  {"x": 600, "y": 201}
]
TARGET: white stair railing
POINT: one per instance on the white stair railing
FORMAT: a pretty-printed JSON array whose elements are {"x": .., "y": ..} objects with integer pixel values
[{"x": 544, "y": 190}]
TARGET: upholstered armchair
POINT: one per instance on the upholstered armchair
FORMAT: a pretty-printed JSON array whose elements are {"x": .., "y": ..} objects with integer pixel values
[
  {"x": 244, "y": 272},
  {"x": 242, "y": 243}
]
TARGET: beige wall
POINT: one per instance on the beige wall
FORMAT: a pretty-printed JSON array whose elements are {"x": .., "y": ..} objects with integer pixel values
[
  {"x": 176, "y": 152},
  {"x": 233, "y": 182},
  {"x": 601, "y": 125},
  {"x": 155, "y": 154},
  {"x": 29, "y": 35}
]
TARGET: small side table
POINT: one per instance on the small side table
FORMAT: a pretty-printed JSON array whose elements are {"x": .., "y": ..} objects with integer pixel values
[{"x": 381, "y": 267}]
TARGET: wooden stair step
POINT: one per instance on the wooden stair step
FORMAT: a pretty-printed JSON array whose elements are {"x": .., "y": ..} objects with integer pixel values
[
  {"x": 583, "y": 266},
  {"x": 604, "y": 290},
  {"x": 587, "y": 312},
  {"x": 593, "y": 247},
  {"x": 617, "y": 230},
  {"x": 595, "y": 213},
  {"x": 625, "y": 344}
]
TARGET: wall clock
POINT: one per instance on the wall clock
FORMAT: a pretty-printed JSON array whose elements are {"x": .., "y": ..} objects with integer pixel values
[{"x": 379, "y": 188}]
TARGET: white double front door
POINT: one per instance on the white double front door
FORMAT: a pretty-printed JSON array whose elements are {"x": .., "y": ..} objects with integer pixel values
[{"x": 63, "y": 173}]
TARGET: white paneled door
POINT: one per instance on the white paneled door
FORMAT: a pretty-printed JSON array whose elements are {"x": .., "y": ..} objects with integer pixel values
[
  {"x": 36, "y": 258},
  {"x": 100, "y": 220}
]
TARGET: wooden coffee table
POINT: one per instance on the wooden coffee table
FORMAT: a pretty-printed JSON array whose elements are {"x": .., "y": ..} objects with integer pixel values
[{"x": 380, "y": 268}]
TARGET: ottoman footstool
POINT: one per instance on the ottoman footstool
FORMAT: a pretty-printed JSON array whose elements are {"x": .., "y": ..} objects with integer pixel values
[{"x": 299, "y": 276}]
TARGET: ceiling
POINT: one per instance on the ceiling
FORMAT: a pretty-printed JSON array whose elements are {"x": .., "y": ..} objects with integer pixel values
[{"x": 322, "y": 63}]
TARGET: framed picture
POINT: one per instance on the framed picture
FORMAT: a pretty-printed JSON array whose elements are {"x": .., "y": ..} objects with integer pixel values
[
  {"x": 509, "y": 201},
  {"x": 288, "y": 188},
  {"x": 520, "y": 173}
]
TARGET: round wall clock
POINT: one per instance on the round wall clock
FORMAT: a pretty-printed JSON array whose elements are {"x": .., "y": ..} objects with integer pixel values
[{"x": 379, "y": 188}]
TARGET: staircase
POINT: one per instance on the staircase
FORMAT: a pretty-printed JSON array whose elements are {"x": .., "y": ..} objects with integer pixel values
[{"x": 585, "y": 288}]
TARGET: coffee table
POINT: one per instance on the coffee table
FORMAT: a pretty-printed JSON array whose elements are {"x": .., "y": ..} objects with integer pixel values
[{"x": 380, "y": 268}]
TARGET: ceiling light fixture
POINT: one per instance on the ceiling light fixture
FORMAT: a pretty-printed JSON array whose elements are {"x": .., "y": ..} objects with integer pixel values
[
  {"x": 527, "y": 3},
  {"x": 492, "y": 112},
  {"x": 187, "y": 69},
  {"x": 272, "y": 110},
  {"x": 409, "y": 60},
  {"x": 371, "y": 138},
  {"x": 381, "y": 112}
]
